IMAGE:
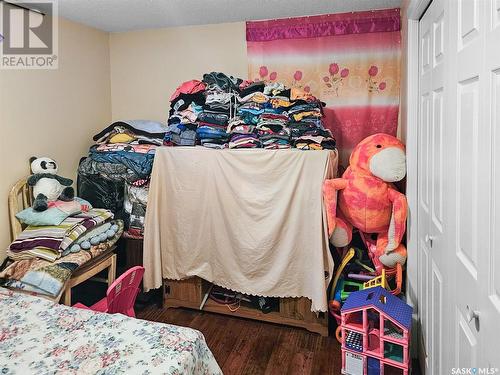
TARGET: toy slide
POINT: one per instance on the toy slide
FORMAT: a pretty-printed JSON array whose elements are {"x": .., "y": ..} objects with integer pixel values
[{"x": 347, "y": 257}]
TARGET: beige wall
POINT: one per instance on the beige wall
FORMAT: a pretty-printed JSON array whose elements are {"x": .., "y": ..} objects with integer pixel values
[
  {"x": 147, "y": 66},
  {"x": 53, "y": 113}
]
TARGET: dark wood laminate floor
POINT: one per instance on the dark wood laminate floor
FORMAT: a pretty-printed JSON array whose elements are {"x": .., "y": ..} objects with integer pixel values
[{"x": 243, "y": 346}]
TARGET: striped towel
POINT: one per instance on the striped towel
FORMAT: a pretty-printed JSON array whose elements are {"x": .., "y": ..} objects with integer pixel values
[{"x": 48, "y": 242}]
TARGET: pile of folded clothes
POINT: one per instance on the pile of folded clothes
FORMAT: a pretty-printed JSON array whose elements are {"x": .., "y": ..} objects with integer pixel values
[
  {"x": 220, "y": 101},
  {"x": 185, "y": 106},
  {"x": 246, "y": 114},
  {"x": 122, "y": 158},
  {"x": 306, "y": 125}
]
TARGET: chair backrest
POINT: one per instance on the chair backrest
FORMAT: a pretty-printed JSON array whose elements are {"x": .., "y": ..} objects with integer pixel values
[
  {"x": 20, "y": 197},
  {"x": 122, "y": 293}
]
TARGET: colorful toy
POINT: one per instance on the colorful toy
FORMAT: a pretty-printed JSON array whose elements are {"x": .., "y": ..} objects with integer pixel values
[
  {"x": 377, "y": 281},
  {"x": 347, "y": 257},
  {"x": 360, "y": 276},
  {"x": 342, "y": 291},
  {"x": 375, "y": 333},
  {"x": 368, "y": 201},
  {"x": 348, "y": 288}
]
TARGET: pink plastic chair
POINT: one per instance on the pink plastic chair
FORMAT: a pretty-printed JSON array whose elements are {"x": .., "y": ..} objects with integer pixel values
[{"x": 121, "y": 295}]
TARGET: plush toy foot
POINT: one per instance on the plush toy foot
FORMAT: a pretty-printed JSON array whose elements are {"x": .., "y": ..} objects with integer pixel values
[
  {"x": 68, "y": 194},
  {"x": 41, "y": 203},
  {"x": 398, "y": 255},
  {"x": 342, "y": 234}
]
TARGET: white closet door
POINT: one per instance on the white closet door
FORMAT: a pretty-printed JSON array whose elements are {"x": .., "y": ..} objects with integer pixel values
[
  {"x": 467, "y": 148},
  {"x": 433, "y": 162},
  {"x": 471, "y": 109},
  {"x": 489, "y": 271},
  {"x": 459, "y": 185}
]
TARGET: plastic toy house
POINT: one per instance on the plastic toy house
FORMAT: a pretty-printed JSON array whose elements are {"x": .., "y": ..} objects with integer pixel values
[{"x": 375, "y": 333}]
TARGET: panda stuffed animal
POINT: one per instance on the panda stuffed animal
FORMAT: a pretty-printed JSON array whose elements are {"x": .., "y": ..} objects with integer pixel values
[{"x": 47, "y": 185}]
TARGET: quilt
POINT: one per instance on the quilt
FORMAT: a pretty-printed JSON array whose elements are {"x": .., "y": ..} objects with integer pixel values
[
  {"x": 40, "y": 337},
  {"x": 50, "y": 241},
  {"x": 48, "y": 278}
]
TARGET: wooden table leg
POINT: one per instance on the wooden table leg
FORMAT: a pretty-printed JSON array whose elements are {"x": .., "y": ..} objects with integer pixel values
[
  {"x": 67, "y": 296},
  {"x": 112, "y": 270}
]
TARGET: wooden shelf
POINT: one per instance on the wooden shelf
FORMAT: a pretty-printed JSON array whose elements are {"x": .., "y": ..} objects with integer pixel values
[{"x": 292, "y": 311}]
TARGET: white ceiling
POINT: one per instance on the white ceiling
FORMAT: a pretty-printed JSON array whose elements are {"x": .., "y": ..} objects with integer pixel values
[{"x": 125, "y": 15}]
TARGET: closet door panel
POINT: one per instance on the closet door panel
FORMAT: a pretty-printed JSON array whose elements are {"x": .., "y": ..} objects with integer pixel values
[
  {"x": 438, "y": 27},
  {"x": 423, "y": 263},
  {"x": 466, "y": 251},
  {"x": 466, "y": 343},
  {"x": 437, "y": 316},
  {"x": 494, "y": 258},
  {"x": 468, "y": 101},
  {"x": 490, "y": 247},
  {"x": 467, "y": 30},
  {"x": 424, "y": 152},
  {"x": 432, "y": 163},
  {"x": 495, "y": 7},
  {"x": 437, "y": 161},
  {"x": 468, "y": 13},
  {"x": 424, "y": 188}
]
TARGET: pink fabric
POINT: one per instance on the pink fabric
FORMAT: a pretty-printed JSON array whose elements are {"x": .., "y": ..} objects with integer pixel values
[
  {"x": 188, "y": 87},
  {"x": 350, "y": 61},
  {"x": 386, "y": 20},
  {"x": 69, "y": 207}
]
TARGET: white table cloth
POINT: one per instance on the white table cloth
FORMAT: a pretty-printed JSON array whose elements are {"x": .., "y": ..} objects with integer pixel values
[{"x": 250, "y": 220}]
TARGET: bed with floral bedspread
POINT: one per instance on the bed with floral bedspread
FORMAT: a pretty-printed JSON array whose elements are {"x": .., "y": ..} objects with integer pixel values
[{"x": 40, "y": 337}]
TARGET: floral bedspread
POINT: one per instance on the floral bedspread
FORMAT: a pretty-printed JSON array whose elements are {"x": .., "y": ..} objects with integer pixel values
[{"x": 40, "y": 337}]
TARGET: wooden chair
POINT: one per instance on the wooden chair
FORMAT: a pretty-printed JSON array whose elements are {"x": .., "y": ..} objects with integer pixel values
[{"x": 21, "y": 197}]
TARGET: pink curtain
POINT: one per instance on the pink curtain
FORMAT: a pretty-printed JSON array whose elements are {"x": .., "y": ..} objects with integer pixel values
[{"x": 351, "y": 61}]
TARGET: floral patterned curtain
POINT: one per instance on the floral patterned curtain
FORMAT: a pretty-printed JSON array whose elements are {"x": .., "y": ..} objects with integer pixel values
[{"x": 351, "y": 61}]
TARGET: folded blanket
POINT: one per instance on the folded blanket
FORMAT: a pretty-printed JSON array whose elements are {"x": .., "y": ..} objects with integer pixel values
[
  {"x": 55, "y": 214},
  {"x": 140, "y": 163},
  {"x": 128, "y": 147},
  {"x": 48, "y": 278},
  {"x": 48, "y": 242},
  {"x": 108, "y": 171},
  {"x": 139, "y": 127}
]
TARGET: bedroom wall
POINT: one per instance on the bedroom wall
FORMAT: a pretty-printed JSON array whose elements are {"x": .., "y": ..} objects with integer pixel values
[
  {"x": 147, "y": 66},
  {"x": 53, "y": 113}
]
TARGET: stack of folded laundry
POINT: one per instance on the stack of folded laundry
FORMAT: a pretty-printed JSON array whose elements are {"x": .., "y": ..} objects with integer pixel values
[
  {"x": 248, "y": 114},
  {"x": 306, "y": 125},
  {"x": 239, "y": 131},
  {"x": 185, "y": 106},
  {"x": 273, "y": 131},
  {"x": 249, "y": 140},
  {"x": 218, "y": 109},
  {"x": 121, "y": 158},
  {"x": 124, "y": 149},
  {"x": 55, "y": 243}
]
